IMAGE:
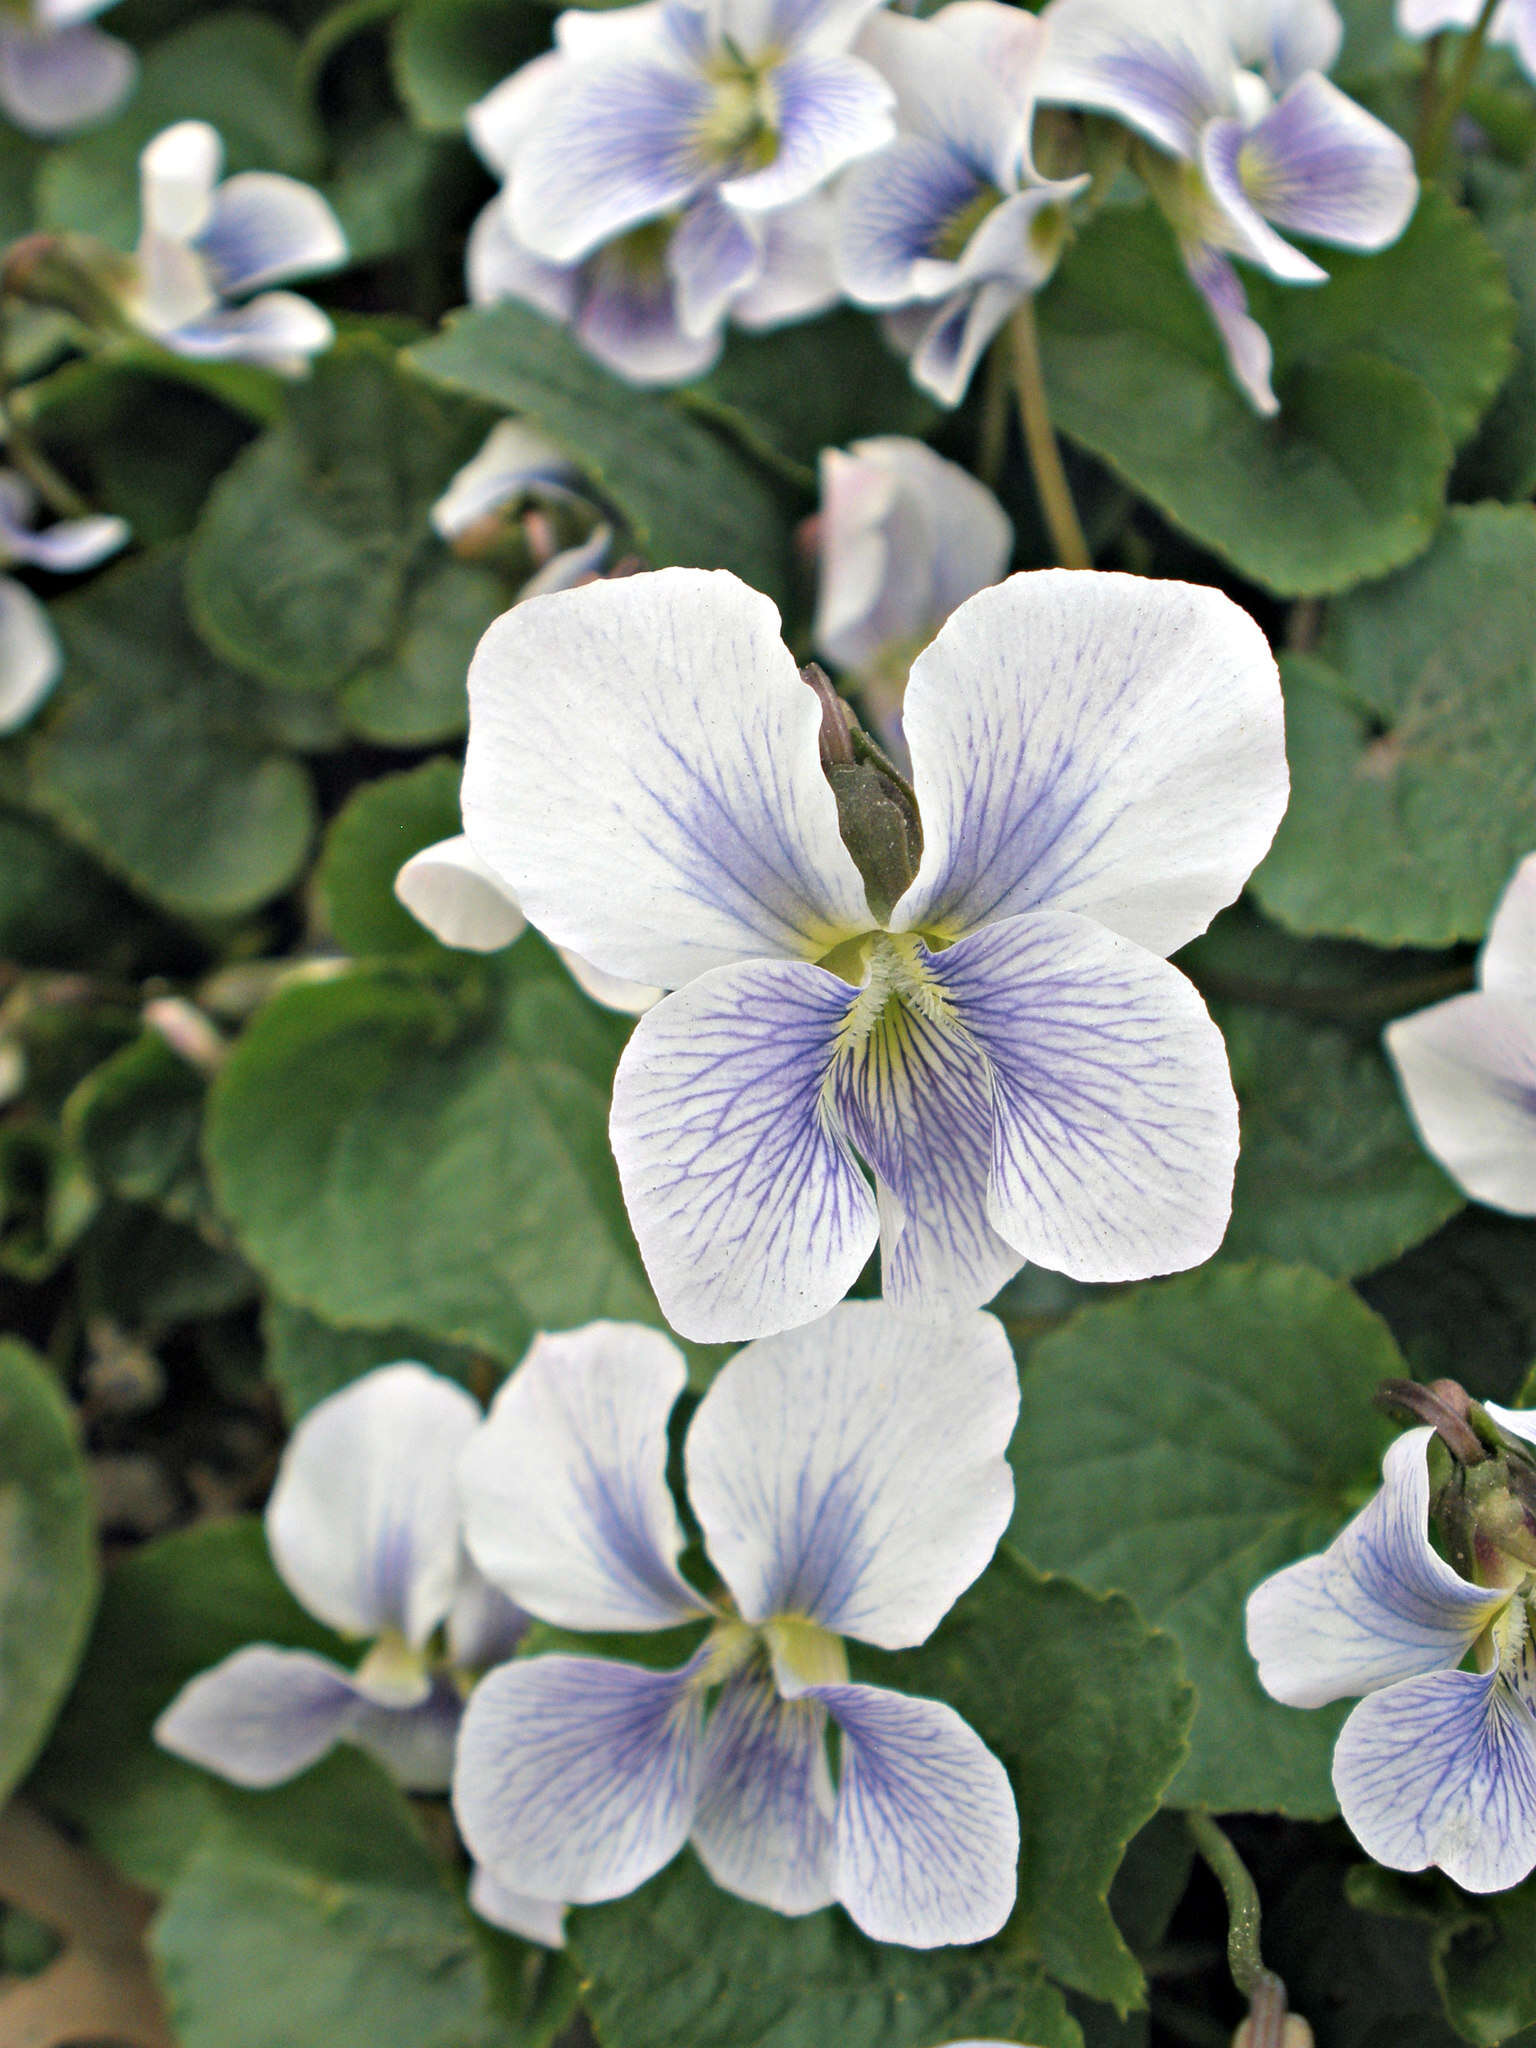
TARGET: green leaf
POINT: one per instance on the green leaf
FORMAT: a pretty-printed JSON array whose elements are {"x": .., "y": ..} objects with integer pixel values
[
  {"x": 1331, "y": 1171},
  {"x": 682, "y": 1964},
  {"x": 306, "y": 557},
  {"x": 687, "y": 497},
  {"x": 1090, "y": 1742},
  {"x": 394, "y": 1153},
  {"x": 1484, "y": 1958},
  {"x": 416, "y": 692},
  {"x": 59, "y": 909},
  {"x": 307, "y": 1360},
  {"x": 1182, "y": 1442},
  {"x": 368, "y": 843},
  {"x": 148, "y": 1272},
  {"x": 47, "y": 1557},
  {"x": 135, "y": 1122},
  {"x": 1464, "y": 1304},
  {"x": 236, "y": 69},
  {"x": 46, "y": 1199},
  {"x": 168, "y": 1611},
  {"x": 1346, "y": 483},
  {"x": 447, "y": 53},
  {"x": 19, "y": 158},
  {"x": 326, "y": 1889},
  {"x": 1411, "y": 733},
  {"x": 1501, "y": 461}
]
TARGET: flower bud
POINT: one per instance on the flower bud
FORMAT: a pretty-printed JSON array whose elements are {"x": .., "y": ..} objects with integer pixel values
[
  {"x": 876, "y": 809},
  {"x": 1294, "y": 2033}
]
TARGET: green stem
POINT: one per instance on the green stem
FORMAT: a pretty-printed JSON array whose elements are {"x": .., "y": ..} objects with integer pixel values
[
  {"x": 1055, "y": 493},
  {"x": 21, "y": 450},
  {"x": 1263, "y": 1990},
  {"x": 992, "y": 439},
  {"x": 1436, "y": 130}
]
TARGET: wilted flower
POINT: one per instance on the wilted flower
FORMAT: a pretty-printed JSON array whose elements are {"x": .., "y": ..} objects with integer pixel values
[
  {"x": 205, "y": 243},
  {"x": 902, "y": 538},
  {"x": 967, "y": 993},
  {"x": 518, "y": 467},
  {"x": 849, "y": 1480},
  {"x": 1437, "y": 1764},
  {"x": 1249, "y": 139},
  {"x": 952, "y": 221},
  {"x": 58, "y": 71},
  {"x": 1514, "y": 23},
  {"x": 1468, "y": 1066},
  {"x": 30, "y": 656}
]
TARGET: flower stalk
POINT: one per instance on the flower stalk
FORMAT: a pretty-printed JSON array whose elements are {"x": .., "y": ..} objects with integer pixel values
[
  {"x": 1055, "y": 493},
  {"x": 1264, "y": 1991},
  {"x": 1444, "y": 104}
]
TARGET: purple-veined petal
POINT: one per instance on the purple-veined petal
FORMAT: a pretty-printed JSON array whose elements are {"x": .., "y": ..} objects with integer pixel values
[
  {"x": 484, "y": 1626},
  {"x": 1378, "y": 1606},
  {"x": 1507, "y": 963},
  {"x": 1418, "y": 18},
  {"x": 449, "y": 889},
  {"x": 958, "y": 81},
  {"x": 567, "y": 569},
  {"x": 1468, "y": 1071},
  {"x": 798, "y": 275},
  {"x": 1164, "y": 72},
  {"x": 1018, "y": 242},
  {"x": 1442, "y": 1770},
  {"x": 566, "y": 1506},
  {"x": 498, "y": 122},
  {"x": 750, "y": 1212},
  {"x": 894, "y": 210},
  {"x": 613, "y": 145},
  {"x": 1282, "y": 39},
  {"x": 643, "y": 773},
  {"x": 178, "y": 172},
  {"x": 713, "y": 257},
  {"x": 915, "y": 1099},
  {"x": 497, "y": 266},
  {"x": 852, "y": 1473},
  {"x": 828, "y": 111},
  {"x": 264, "y": 228},
  {"x": 577, "y": 1777},
  {"x": 1243, "y": 228},
  {"x": 764, "y": 1822},
  {"x": 926, "y": 1832},
  {"x": 414, "y": 1743},
  {"x": 261, "y": 1716},
  {"x": 363, "y": 1522},
  {"x": 1249, "y": 355},
  {"x": 955, "y": 340},
  {"x": 1114, "y": 1124},
  {"x": 31, "y": 660},
  {"x": 277, "y": 331},
  {"x": 1320, "y": 165},
  {"x": 1098, "y": 743},
  {"x": 515, "y": 459},
  {"x": 61, "y": 79},
  {"x": 628, "y": 317},
  {"x": 540, "y": 1920}
]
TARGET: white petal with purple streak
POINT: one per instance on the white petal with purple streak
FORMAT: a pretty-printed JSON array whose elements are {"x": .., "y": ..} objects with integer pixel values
[
  {"x": 1320, "y": 165},
  {"x": 31, "y": 659},
  {"x": 263, "y": 228},
  {"x": 261, "y": 1716},
  {"x": 828, "y": 111},
  {"x": 1468, "y": 1071},
  {"x": 63, "y": 78},
  {"x": 764, "y": 1822},
  {"x": 1507, "y": 963}
]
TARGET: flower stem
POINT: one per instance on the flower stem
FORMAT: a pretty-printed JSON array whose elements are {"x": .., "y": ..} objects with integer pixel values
[
  {"x": 18, "y": 447},
  {"x": 1055, "y": 493},
  {"x": 992, "y": 439},
  {"x": 1264, "y": 1991},
  {"x": 1436, "y": 128}
]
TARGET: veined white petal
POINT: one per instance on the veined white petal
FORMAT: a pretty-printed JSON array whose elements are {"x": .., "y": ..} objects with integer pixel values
[
  {"x": 629, "y": 998},
  {"x": 628, "y": 316},
  {"x": 1243, "y": 229},
  {"x": 577, "y": 1777},
  {"x": 1164, "y": 72},
  {"x": 960, "y": 80},
  {"x": 61, "y": 79},
  {"x": 764, "y": 1822},
  {"x": 643, "y": 773},
  {"x": 363, "y": 1521},
  {"x": 261, "y": 1716},
  {"x": 750, "y": 1211},
  {"x": 263, "y": 228},
  {"x": 515, "y": 458},
  {"x": 894, "y": 210},
  {"x": 276, "y": 331},
  {"x": 484, "y": 1626},
  {"x": 1507, "y": 963},
  {"x": 1113, "y": 1122},
  {"x": 497, "y": 266},
  {"x": 540, "y": 1920},
  {"x": 31, "y": 660},
  {"x": 1100, "y": 743},
  {"x": 1379, "y": 1605},
  {"x": 798, "y": 277},
  {"x": 414, "y": 1742},
  {"x": 852, "y": 1472},
  {"x": 713, "y": 257},
  {"x": 498, "y": 122},
  {"x": 1320, "y": 165},
  {"x": 449, "y": 889},
  {"x": 1468, "y": 1071},
  {"x": 565, "y": 1495},
  {"x": 946, "y": 353},
  {"x": 926, "y": 1831},
  {"x": 178, "y": 172},
  {"x": 829, "y": 111},
  {"x": 1442, "y": 1770},
  {"x": 1249, "y": 355},
  {"x": 1282, "y": 39},
  {"x": 600, "y": 35}
]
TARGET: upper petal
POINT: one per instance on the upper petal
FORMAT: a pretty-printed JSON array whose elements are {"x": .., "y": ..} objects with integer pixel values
[
  {"x": 1442, "y": 1770},
  {"x": 566, "y": 1505},
  {"x": 853, "y": 1473},
  {"x": 750, "y": 1212},
  {"x": 1377, "y": 1606},
  {"x": 1427, "y": 17},
  {"x": 1284, "y": 38},
  {"x": 1243, "y": 229},
  {"x": 31, "y": 659},
  {"x": 1507, "y": 964},
  {"x": 830, "y": 109},
  {"x": 1096, "y": 742},
  {"x": 1468, "y": 1070},
  {"x": 926, "y": 1830},
  {"x": 1320, "y": 165},
  {"x": 764, "y": 1823},
  {"x": 177, "y": 175},
  {"x": 1164, "y": 72},
  {"x": 363, "y": 1522},
  {"x": 576, "y": 1777},
  {"x": 261, "y": 1716},
  {"x": 449, "y": 889},
  {"x": 263, "y": 228},
  {"x": 64, "y": 78},
  {"x": 540, "y": 1920},
  {"x": 643, "y": 773}
]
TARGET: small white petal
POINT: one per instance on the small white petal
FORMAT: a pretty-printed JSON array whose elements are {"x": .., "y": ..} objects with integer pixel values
[
  {"x": 415, "y": 1743},
  {"x": 1320, "y": 165},
  {"x": 764, "y": 1821},
  {"x": 1099, "y": 743},
  {"x": 629, "y": 998},
  {"x": 1507, "y": 964},
  {"x": 852, "y": 1472},
  {"x": 276, "y": 331},
  {"x": 1468, "y": 1071},
  {"x": 62, "y": 79},
  {"x": 566, "y": 1506},
  {"x": 69, "y": 545},
  {"x": 498, "y": 123},
  {"x": 263, "y": 228},
  {"x": 1249, "y": 354},
  {"x": 628, "y": 316},
  {"x": 1162, "y": 72},
  {"x": 540, "y": 1920},
  {"x": 177, "y": 175},
  {"x": 1379, "y": 1605},
  {"x": 643, "y": 774},
  {"x": 516, "y": 458},
  {"x": 714, "y": 256},
  {"x": 1282, "y": 39},
  {"x": 577, "y": 1778},
  {"x": 261, "y": 1716},
  {"x": 363, "y": 1521},
  {"x": 1419, "y": 18},
  {"x": 484, "y": 1626},
  {"x": 798, "y": 278},
  {"x": 946, "y": 354},
  {"x": 497, "y": 266},
  {"x": 31, "y": 660},
  {"x": 449, "y": 889}
]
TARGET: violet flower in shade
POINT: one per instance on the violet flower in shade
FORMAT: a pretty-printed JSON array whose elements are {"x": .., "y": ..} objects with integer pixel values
[
  {"x": 31, "y": 659},
  {"x": 849, "y": 1480},
  {"x": 1098, "y": 764},
  {"x": 1250, "y": 142},
  {"x": 205, "y": 243},
  {"x": 58, "y": 71},
  {"x": 1437, "y": 1765},
  {"x": 903, "y": 537},
  {"x": 951, "y": 223},
  {"x": 1513, "y": 23},
  {"x": 1468, "y": 1066}
]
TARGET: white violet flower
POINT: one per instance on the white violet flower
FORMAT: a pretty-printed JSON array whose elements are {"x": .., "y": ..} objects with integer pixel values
[
  {"x": 58, "y": 71},
  {"x": 31, "y": 659}
]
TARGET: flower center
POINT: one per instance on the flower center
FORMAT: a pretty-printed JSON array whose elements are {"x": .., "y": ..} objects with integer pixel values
[
  {"x": 740, "y": 128},
  {"x": 954, "y": 237},
  {"x": 393, "y": 1670},
  {"x": 639, "y": 257},
  {"x": 896, "y": 978}
]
